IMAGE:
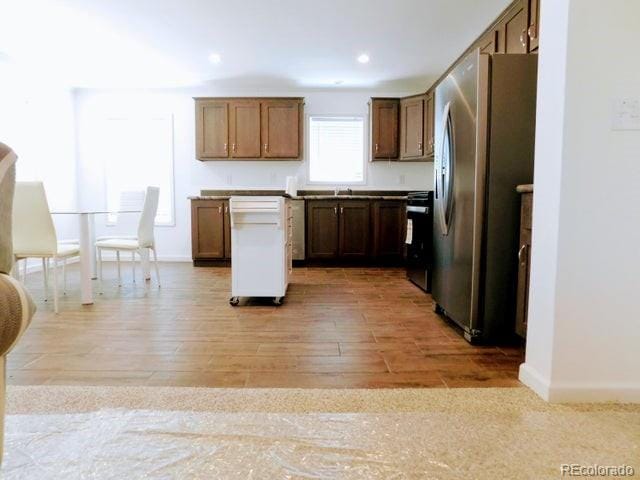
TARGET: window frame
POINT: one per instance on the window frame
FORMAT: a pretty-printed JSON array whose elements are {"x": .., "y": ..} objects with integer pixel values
[
  {"x": 365, "y": 140},
  {"x": 172, "y": 208}
]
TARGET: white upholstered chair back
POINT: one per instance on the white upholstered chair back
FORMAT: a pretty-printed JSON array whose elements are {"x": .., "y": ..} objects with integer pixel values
[
  {"x": 148, "y": 216},
  {"x": 33, "y": 231},
  {"x": 130, "y": 200}
]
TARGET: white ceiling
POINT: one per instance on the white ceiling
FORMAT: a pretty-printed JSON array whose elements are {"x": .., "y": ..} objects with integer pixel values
[{"x": 279, "y": 43}]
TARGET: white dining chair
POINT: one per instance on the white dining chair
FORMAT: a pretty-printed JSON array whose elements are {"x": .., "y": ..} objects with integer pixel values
[
  {"x": 129, "y": 201},
  {"x": 144, "y": 240},
  {"x": 34, "y": 235}
]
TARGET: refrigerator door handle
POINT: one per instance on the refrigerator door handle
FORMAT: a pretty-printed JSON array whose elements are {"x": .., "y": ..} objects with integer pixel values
[{"x": 440, "y": 172}]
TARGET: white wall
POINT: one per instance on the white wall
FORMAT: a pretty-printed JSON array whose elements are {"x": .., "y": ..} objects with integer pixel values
[
  {"x": 584, "y": 326},
  {"x": 37, "y": 121},
  {"x": 192, "y": 175}
]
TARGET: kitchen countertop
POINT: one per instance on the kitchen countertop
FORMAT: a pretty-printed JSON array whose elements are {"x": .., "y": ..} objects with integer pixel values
[
  {"x": 306, "y": 197},
  {"x": 304, "y": 194},
  {"x": 525, "y": 188}
]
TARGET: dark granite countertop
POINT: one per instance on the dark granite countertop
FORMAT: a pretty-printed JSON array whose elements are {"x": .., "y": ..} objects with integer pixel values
[{"x": 306, "y": 194}]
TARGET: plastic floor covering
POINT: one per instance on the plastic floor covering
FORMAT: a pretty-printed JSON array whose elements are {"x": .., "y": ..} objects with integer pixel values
[{"x": 136, "y": 433}]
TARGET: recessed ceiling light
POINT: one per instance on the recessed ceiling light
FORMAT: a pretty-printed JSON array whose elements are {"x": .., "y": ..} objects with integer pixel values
[
  {"x": 363, "y": 58},
  {"x": 215, "y": 58}
]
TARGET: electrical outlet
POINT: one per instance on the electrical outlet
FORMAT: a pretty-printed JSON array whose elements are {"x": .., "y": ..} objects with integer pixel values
[{"x": 401, "y": 179}]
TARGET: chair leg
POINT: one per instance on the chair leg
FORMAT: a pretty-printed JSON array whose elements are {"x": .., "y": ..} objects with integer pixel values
[
  {"x": 133, "y": 265},
  {"x": 64, "y": 276},
  {"x": 45, "y": 277},
  {"x": 155, "y": 263},
  {"x": 118, "y": 262},
  {"x": 100, "y": 270},
  {"x": 55, "y": 284}
]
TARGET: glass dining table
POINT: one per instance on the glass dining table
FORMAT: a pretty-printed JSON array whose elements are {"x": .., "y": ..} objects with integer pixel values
[{"x": 86, "y": 224}]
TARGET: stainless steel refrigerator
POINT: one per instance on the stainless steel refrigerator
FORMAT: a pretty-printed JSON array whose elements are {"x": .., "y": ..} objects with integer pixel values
[{"x": 484, "y": 134}]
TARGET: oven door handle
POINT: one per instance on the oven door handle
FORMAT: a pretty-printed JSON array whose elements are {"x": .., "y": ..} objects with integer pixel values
[{"x": 411, "y": 208}]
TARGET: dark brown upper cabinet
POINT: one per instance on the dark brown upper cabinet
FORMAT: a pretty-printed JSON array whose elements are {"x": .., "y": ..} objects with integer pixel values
[
  {"x": 412, "y": 128},
  {"x": 244, "y": 129},
  {"x": 534, "y": 24},
  {"x": 488, "y": 43},
  {"x": 281, "y": 124},
  {"x": 354, "y": 229},
  {"x": 212, "y": 129},
  {"x": 384, "y": 128},
  {"x": 429, "y": 124},
  {"x": 249, "y": 128},
  {"x": 512, "y": 31}
]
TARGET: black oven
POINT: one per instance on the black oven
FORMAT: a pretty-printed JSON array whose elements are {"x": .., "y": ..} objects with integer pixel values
[{"x": 420, "y": 238}]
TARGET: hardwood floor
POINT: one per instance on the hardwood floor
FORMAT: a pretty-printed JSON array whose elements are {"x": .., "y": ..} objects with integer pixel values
[{"x": 337, "y": 328}]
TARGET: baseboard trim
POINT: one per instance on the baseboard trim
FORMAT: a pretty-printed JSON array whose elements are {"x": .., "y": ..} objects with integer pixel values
[
  {"x": 35, "y": 265},
  {"x": 532, "y": 379},
  {"x": 577, "y": 392},
  {"x": 108, "y": 256}
]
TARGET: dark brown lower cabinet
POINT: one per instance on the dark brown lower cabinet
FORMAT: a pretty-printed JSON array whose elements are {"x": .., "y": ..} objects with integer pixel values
[
  {"x": 524, "y": 265},
  {"x": 358, "y": 231},
  {"x": 322, "y": 229},
  {"x": 210, "y": 230},
  {"x": 354, "y": 229},
  {"x": 389, "y": 229}
]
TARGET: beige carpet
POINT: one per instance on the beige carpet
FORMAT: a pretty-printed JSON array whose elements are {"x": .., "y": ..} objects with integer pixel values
[{"x": 152, "y": 432}]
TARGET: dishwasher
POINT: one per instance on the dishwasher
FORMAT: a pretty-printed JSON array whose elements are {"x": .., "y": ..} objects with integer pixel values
[{"x": 261, "y": 247}]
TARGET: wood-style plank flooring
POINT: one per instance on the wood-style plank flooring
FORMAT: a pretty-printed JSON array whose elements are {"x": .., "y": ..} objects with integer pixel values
[{"x": 337, "y": 328}]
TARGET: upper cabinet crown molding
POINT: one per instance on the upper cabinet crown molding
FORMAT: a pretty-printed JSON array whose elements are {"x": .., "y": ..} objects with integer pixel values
[{"x": 251, "y": 128}]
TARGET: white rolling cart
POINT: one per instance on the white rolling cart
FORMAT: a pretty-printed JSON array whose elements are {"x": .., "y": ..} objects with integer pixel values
[{"x": 261, "y": 247}]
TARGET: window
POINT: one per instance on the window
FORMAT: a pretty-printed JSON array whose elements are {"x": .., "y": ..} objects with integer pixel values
[
  {"x": 138, "y": 152},
  {"x": 336, "y": 149}
]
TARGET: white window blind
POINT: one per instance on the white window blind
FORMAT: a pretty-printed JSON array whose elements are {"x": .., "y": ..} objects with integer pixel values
[
  {"x": 137, "y": 153},
  {"x": 336, "y": 149}
]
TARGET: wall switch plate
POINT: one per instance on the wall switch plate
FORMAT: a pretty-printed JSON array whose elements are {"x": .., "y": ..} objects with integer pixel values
[{"x": 626, "y": 114}]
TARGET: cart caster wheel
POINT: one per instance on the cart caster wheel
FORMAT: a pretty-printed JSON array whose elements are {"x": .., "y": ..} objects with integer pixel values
[
  {"x": 438, "y": 309},
  {"x": 233, "y": 301},
  {"x": 277, "y": 300}
]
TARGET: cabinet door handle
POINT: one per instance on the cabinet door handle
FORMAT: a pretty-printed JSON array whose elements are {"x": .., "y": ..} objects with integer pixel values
[
  {"x": 233, "y": 147},
  {"x": 419, "y": 145},
  {"x": 523, "y": 38},
  {"x": 226, "y": 209},
  {"x": 341, "y": 210},
  {"x": 335, "y": 210},
  {"x": 377, "y": 147},
  {"x": 225, "y": 148},
  {"x": 523, "y": 248},
  {"x": 532, "y": 31},
  {"x": 266, "y": 147},
  {"x": 220, "y": 209}
]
